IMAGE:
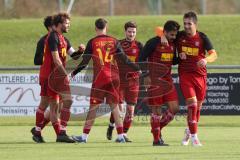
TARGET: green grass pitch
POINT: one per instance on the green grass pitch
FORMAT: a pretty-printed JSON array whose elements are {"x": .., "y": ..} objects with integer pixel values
[{"x": 218, "y": 134}]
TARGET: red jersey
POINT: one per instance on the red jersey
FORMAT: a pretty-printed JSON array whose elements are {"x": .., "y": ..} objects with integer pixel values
[
  {"x": 162, "y": 55},
  {"x": 132, "y": 50},
  {"x": 160, "y": 58},
  {"x": 102, "y": 50},
  {"x": 53, "y": 42},
  {"x": 195, "y": 48}
]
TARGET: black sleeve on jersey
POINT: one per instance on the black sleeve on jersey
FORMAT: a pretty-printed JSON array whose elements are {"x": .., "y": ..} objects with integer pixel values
[
  {"x": 53, "y": 41},
  {"x": 68, "y": 43},
  {"x": 38, "y": 58},
  {"x": 146, "y": 52},
  {"x": 148, "y": 49},
  {"x": 176, "y": 59},
  {"x": 75, "y": 55},
  {"x": 87, "y": 55},
  {"x": 140, "y": 46},
  {"x": 206, "y": 42},
  {"x": 120, "y": 55}
]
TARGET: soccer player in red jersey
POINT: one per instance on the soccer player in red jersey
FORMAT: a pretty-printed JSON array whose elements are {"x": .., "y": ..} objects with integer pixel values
[
  {"x": 105, "y": 51},
  {"x": 53, "y": 80},
  {"x": 161, "y": 89},
  {"x": 129, "y": 80},
  {"x": 192, "y": 46},
  {"x": 38, "y": 60}
]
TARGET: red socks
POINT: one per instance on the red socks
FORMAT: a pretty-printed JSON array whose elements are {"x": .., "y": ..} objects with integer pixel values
[
  {"x": 87, "y": 127},
  {"x": 64, "y": 118},
  {"x": 45, "y": 122},
  {"x": 127, "y": 123},
  {"x": 119, "y": 129},
  {"x": 39, "y": 120},
  {"x": 166, "y": 118},
  {"x": 56, "y": 126},
  {"x": 155, "y": 124},
  {"x": 192, "y": 118}
]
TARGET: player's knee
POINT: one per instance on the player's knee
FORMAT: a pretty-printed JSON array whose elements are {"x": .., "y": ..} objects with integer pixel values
[{"x": 191, "y": 101}]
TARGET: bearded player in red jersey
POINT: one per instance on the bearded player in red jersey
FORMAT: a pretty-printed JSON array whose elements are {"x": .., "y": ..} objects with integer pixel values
[
  {"x": 192, "y": 46},
  {"x": 106, "y": 52},
  {"x": 53, "y": 80},
  {"x": 161, "y": 88},
  {"x": 129, "y": 81},
  {"x": 38, "y": 60}
]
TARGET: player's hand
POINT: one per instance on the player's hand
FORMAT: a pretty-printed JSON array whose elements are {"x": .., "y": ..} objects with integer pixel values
[
  {"x": 202, "y": 63},
  {"x": 182, "y": 56},
  {"x": 164, "y": 41},
  {"x": 147, "y": 82},
  {"x": 81, "y": 48}
]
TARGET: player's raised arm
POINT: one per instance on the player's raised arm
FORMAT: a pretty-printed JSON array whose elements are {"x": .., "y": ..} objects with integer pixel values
[
  {"x": 71, "y": 51},
  {"x": 87, "y": 55}
]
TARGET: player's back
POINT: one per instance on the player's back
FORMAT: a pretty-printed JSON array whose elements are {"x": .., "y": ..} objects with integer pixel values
[{"x": 105, "y": 67}]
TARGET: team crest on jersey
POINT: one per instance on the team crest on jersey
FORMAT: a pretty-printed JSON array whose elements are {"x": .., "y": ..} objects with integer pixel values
[{"x": 197, "y": 43}]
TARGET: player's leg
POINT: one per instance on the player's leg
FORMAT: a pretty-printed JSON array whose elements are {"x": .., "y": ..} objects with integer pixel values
[
  {"x": 188, "y": 89},
  {"x": 112, "y": 122},
  {"x": 118, "y": 122},
  {"x": 47, "y": 114},
  {"x": 46, "y": 118},
  {"x": 200, "y": 89},
  {"x": 169, "y": 114},
  {"x": 112, "y": 98},
  {"x": 40, "y": 120},
  {"x": 96, "y": 98},
  {"x": 36, "y": 131},
  {"x": 91, "y": 115},
  {"x": 131, "y": 97},
  {"x": 128, "y": 119},
  {"x": 200, "y": 93},
  {"x": 171, "y": 100},
  {"x": 53, "y": 115},
  {"x": 192, "y": 120},
  {"x": 64, "y": 118},
  {"x": 155, "y": 126}
]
